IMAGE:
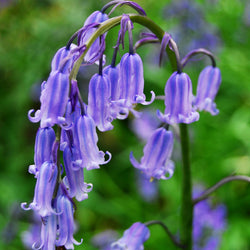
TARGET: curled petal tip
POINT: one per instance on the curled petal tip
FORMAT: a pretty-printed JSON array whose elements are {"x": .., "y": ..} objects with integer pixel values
[
  {"x": 139, "y": 99},
  {"x": 37, "y": 116},
  {"x": 23, "y": 206},
  {"x": 109, "y": 157}
]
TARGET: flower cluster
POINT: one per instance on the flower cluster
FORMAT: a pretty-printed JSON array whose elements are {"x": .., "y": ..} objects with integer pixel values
[{"x": 68, "y": 125}]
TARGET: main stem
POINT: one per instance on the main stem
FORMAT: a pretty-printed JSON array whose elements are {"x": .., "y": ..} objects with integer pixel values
[{"x": 186, "y": 191}]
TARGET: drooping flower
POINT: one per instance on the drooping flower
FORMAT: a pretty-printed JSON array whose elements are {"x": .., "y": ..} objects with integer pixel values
[
  {"x": 131, "y": 80},
  {"x": 155, "y": 162},
  {"x": 44, "y": 190},
  {"x": 86, "y": 137},
  {"x": 178, "y": 100},
  {"x": 112, "y": 74},
  {"x": 54, "y": 98},
  {"x": 133, "y": 238},
  {"x": 99, "y": 102},
  {"x": 145, "y": 125},
  {"x": 48, "y": 234},
  {"x": 96, "y": 17},
  {"x": 74, "y": 178},
  {"x": 63, "y": 59},
  {"x": 208, "y": 85},
  {"x": 45, "y": 138},
  {"x": 66, "y": 225}
]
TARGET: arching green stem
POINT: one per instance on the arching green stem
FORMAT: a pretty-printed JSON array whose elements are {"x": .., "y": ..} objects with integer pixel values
[{"x": 112, "y": 22}]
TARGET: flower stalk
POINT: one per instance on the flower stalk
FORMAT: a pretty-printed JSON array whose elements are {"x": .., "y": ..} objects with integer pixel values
[{"x": 186, "y": 191}]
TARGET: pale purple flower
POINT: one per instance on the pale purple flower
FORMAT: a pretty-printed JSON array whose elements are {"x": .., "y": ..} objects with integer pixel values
[
  {"x": 48, "y": 234},
  {"x": 133, "y": 238},
  {"x": 54, "y": 98},
  {"x": 144, "y": 125},
  {"x": 96, "y": 17},
  {"x": 131, "y": 80},
  {"x": 45, "y": 138},
  {"x": 74, "y": 179},
  {"x": 178, "y": 100},
  {"x": 99, "y": 102},
  {"x": 66, "y": 225},
  {"x": 44, "y": 190},
  {"x": 208, "y": 85},
  {"x": 155, "y": 162},
  {"x": 112, "y": 74},
  {"x": 63, "y": 59},
  {"x": 103, "y": 240},
  {"x": 87, "y": 143}
]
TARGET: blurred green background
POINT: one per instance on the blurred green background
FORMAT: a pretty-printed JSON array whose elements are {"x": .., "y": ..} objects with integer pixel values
[{"x": 32, "y": 31}]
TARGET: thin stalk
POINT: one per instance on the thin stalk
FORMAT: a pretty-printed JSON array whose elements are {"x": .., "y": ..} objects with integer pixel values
[
  {"x": 225, "y": 180},
  {"x": 186, "y": 191},
  {"x": 171, "y": 236}
]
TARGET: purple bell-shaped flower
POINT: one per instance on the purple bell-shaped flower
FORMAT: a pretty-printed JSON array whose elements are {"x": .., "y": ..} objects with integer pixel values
[
  {"x": 48, "y": 234},
  {"x": 208, "y": 85},
  {"x": 74, "y": 179},
  {"x": 95, "y": 17},
  {"x": 66, "y": 225},
  {"x": 131, "y": 80},
  {"x": 54, "y": 98},
  {"x": 63, "y": 59},
  {"x": 44, "y": 190},
  {"x": 178, "y": 100},
  {"x": 133, "y": 238},
  {"x": 87, "y": 143},
  {"x": 155, "y": 162},
  {"x": 45, "y": 138},
  {"x": 112, "y": 74},
  {"x": 99, "y": 102}
]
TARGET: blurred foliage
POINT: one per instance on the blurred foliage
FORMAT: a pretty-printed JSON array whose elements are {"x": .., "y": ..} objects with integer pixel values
[{"x": 30, "y": 33}]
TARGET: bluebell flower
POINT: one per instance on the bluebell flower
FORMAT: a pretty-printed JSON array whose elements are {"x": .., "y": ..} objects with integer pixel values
[
  {"x": 99, "y": 102},
  {"x": 103, "y": 240},
  {"x": 74, "y": 179},
  {"x": 144, "y": 125},
  {"x": 112, "y": 74},
  {"x": 96, "y": 17},
  {"x": 131, "y": 81},
  {"x": 45, "y": 138},
  {"x": 133, "y": 238},
  {"x": 208, "y": 85},
  {"x": 155, "y": 162},
  {"x": 63, "y": 59},
  {"x": 48, "y": 234},
  {"x": 118, "y": 109},
  {"x": 66, "y": 224},
  {"x": 44, "y": 190},
  {"x": 178, "y": 100},
  {"x": 54, "y": 98},
  {"x": 86, "y": 141}
]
